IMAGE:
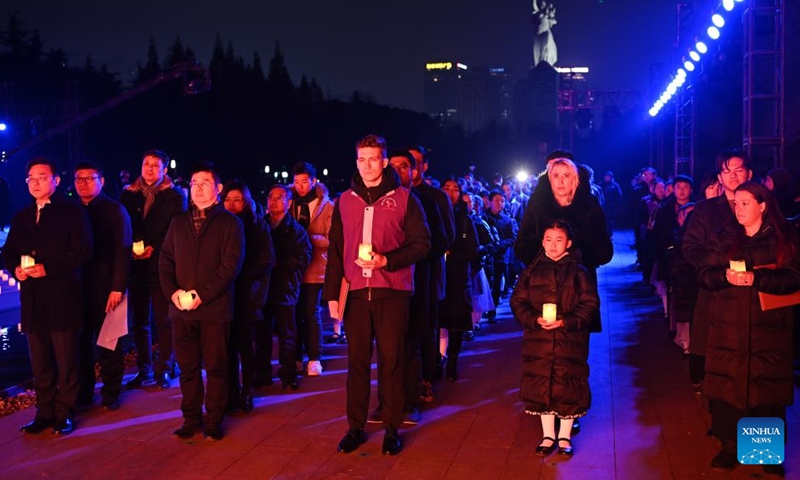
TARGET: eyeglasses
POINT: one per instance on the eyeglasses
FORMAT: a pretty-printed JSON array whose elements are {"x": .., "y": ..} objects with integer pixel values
[
  {"x": 38, "y": 179},
  {"x": 85, "y": 180},
  {"x": 203, "y": 184}
]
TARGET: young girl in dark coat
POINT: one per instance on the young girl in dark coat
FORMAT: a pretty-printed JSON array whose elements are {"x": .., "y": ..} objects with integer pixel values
[{"x": 555, "y": 373}]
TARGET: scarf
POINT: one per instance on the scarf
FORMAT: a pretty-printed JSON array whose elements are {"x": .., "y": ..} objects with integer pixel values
[
  {"x": 149, "y": 191},
  {"x": 304, "y": 215}
]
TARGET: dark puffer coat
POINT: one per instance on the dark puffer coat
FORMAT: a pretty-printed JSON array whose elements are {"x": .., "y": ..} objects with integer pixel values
[
  {"x": 555, "y": 373},
  {"x": 455, "y": 310},
  {"x": 749, "y": 358}
]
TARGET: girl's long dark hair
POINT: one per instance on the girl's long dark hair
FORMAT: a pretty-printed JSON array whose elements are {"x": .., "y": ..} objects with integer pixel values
[
  {"x": 248, "y": 214},
  {"x": 772, "y": 215}
]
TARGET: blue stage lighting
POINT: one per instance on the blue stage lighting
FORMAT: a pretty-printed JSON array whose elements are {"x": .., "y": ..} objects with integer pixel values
[
  {"x": 3, "y": 127},
  {"x": 694, "y": 55},
  {"x": 688, "y": 65},
  {"x": 680, "y": 81},
  {"x": 682, "y": 73},
  {"x": 659, "y": 105},
  {"x": 671, "y": 89},
  {"x": 701, "y": 47},
  {"x": 717, "y": 20},
  {"x": 713, "y": 33},
  {"x": 727, "y": 5},
  {"x": 653, "y": 112}
]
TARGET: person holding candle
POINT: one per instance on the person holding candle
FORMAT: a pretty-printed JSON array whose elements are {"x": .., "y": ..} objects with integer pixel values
[
  {"x": 702, "y": 236},
  {"x": 554, "y": 301},
  {"x": 749, "y": 353},
  {"x": 105, "y": 280},
  {"x": 200, "y": 260},
  {"x": 251, "y": 290},
  {"x": 376, "y": 210},
  {"x": 151, "y": 201},
  {"x": 56, "y": 233}
]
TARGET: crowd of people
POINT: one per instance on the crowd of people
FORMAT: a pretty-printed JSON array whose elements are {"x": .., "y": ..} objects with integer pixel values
[
  {"x": 402, "y": 260},
  {"x": 712, "y": 259}
]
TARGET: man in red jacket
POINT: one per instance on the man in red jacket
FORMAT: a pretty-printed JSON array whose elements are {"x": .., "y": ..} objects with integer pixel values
[{"x": 378, "y": 232}]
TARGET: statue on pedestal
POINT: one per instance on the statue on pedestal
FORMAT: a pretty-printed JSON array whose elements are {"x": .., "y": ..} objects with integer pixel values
[{"x": 544, "y": 46}]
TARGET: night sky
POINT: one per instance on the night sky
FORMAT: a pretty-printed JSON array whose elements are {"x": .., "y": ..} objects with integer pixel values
[{"x": 379, "y": 47}]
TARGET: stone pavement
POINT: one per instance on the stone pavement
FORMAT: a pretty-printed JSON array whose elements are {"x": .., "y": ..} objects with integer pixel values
[{"x": 645, "y": 422}]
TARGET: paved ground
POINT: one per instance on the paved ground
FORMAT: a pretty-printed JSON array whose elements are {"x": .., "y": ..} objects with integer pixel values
[{"x": 644, "y": 423}]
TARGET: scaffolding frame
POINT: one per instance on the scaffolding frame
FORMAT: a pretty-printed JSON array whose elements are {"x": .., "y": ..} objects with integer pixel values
[{"x": 764, "y": 81}]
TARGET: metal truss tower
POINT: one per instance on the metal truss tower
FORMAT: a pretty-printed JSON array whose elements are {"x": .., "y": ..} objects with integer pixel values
[{"x": 764, "y": 81}]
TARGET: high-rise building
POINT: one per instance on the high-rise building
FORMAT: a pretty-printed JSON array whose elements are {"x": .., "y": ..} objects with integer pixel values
[
  {"x": 441, "y": 90},
  {"x": 473, "y": 97}
]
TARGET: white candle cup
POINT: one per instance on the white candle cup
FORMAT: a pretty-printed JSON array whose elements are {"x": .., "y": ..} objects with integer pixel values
[
  {"x": 186, "y": 300},
  {"x": 12, "y": 282},
  {"x": 549, "y": 312},
  {"x": 138, "y": 248},
  {"x": 5, "y": 277},
  {"x": 738, "y": 266},
  {"x": 26, "y": 261},
  {"x": 365, "y": 251}
]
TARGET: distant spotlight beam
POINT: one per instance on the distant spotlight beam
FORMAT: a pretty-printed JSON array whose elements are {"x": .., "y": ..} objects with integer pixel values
[{"x": 713, "y": 33}]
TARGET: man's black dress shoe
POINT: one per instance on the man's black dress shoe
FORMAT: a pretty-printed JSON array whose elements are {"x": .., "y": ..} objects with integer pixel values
[
  {"x": 162, "y": 381},
  {"x": 392, "y": 445},
  {"x": 546, "y": 450},
  {"x": 186, "y": 431},
  {"x": 565, "y": 450},
  {"x": 213, "y": 433},
  {"x": 139, "y": 380},
  {"x": 38, "y": 425},
  {"x": 111, "y": 403},
  {"x": 63, "y": 427},
  {"x": 352, "y": 440}
]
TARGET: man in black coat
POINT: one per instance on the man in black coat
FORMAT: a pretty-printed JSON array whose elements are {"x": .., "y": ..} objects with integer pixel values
[
  {"x": 105, "y": 278},
  {"x": 293, "y": 254},
  {"x": 57, "y": 235},
  {"x": 151, "y": 201},
  {"x": 200, "y": 259},
  {"x": 419, "y": 375},
  {"x": 703, "y": 236},
  {"x": 430, "y": 345}
]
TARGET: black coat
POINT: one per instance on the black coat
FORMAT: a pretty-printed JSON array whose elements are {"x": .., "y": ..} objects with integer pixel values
[
  {"x": 252, "y": 284},
  {"x": 419, "y": 307},
  {"x": 152, "y": 229},
  {"x": 62, "y": 243},
  {"x": 585, "y": 216},
  {"x": 506, "y": 229},
  {"x": 438, "y": 276},
  {"x": 293, "y": 253},
  {"x": 749, "y": 357},
  {"x": 455, "y": 311},
  {"x": 555, "y": 372},
  {"x": 108, "y": 269},
  {"x": 703, "y": 234},
  {"x": 208, "y": 262}
]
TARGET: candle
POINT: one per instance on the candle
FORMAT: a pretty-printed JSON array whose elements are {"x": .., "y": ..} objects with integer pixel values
[
  {"x": 5, "y": 277},
  {"x": 738, "y": 266},
  {"x": 186, "y": 300},
  {"x": 365, "y": 251},
  {"x": 138, "y": 248},
  {"x": 549, "y": 312},
  {"x": 12, "y": 281},
  {"x": 27, "y": 261}
]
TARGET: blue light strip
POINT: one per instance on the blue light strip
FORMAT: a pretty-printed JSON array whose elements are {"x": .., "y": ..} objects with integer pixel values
[{"x": 700, "y": 48}]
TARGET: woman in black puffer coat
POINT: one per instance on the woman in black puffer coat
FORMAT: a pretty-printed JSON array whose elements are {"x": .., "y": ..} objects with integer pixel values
[
  {"x": 555, "y": 372},
  {"x": 749, "y": 356},
  {"x": 455, "y": 310}
]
